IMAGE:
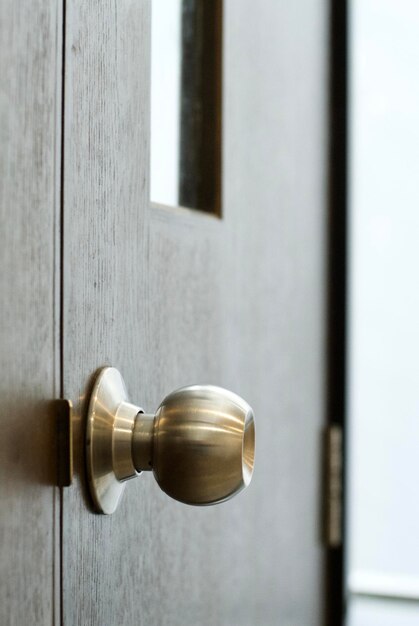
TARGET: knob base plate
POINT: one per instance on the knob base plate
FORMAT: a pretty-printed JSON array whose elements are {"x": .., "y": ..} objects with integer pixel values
[{"x": 108, "y": 394}]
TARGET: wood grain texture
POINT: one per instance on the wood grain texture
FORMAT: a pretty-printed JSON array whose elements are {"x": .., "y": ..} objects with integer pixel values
[
  {"x": 177, "y": 297},
  {"x": 30, "y": 58}
]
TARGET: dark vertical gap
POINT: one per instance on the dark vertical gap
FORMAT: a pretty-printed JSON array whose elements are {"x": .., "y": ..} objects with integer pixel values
[
  {"x": 61, "y": 261},
  {"x": 337, "y": 275},
  {"x": 200, "y": 106}
]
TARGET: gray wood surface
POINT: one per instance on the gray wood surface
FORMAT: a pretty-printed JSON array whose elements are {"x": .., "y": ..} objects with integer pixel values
[
  {"x": 30, "y": 58},
  {"x": 173, "y": 297}
]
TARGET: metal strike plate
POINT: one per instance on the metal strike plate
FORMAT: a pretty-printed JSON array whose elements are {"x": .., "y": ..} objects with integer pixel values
[{"x": 64, "y": 443}]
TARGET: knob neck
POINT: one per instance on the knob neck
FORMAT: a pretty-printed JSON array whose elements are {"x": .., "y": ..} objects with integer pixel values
[
  {"x": 122, "y": 430},
  {"x": 142, "y": 442}
]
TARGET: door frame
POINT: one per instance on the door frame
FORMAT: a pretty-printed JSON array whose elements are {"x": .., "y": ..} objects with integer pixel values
[{"x": 337, "y": 285}]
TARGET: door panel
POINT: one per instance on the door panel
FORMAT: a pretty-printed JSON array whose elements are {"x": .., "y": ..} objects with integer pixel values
[
  {"x": 30, "y": 69},
  {"x": 173, "y": 297}
]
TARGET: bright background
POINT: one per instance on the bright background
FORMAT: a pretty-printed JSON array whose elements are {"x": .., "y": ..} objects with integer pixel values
[{"x": 383, "y": 393}]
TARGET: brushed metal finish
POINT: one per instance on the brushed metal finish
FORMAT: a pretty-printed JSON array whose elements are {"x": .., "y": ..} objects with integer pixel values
[
  {"x": 110, "y": 423},
  {"x": 142, "y": 442},
  {"x": 204, "y": 441},
  {"x": 200, "y": 443}
]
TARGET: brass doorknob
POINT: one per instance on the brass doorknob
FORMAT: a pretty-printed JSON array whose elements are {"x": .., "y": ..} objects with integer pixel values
[{"x": 199, "y": 443}]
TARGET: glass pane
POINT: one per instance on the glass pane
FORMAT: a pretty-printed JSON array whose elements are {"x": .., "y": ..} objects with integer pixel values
[{"x": 186, "y": 103}]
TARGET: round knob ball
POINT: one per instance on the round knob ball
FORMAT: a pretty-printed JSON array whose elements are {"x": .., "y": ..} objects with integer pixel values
[{"x": 203, "y": 444}]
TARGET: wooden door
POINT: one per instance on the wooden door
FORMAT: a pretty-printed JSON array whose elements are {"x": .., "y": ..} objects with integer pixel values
[
  {"x": 30, "y": 70},
  {"x": 172, "y": 296}
]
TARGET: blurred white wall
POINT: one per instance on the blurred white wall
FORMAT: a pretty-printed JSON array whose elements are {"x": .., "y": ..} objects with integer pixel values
[{"x": 383, "y": 437}]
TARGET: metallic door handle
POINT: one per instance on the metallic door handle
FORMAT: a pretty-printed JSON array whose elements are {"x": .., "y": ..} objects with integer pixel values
[{"x": 199, "y": 444}]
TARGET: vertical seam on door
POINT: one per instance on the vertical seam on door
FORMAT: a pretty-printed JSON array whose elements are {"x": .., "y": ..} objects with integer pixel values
[{"x": 61, "y": 294}]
